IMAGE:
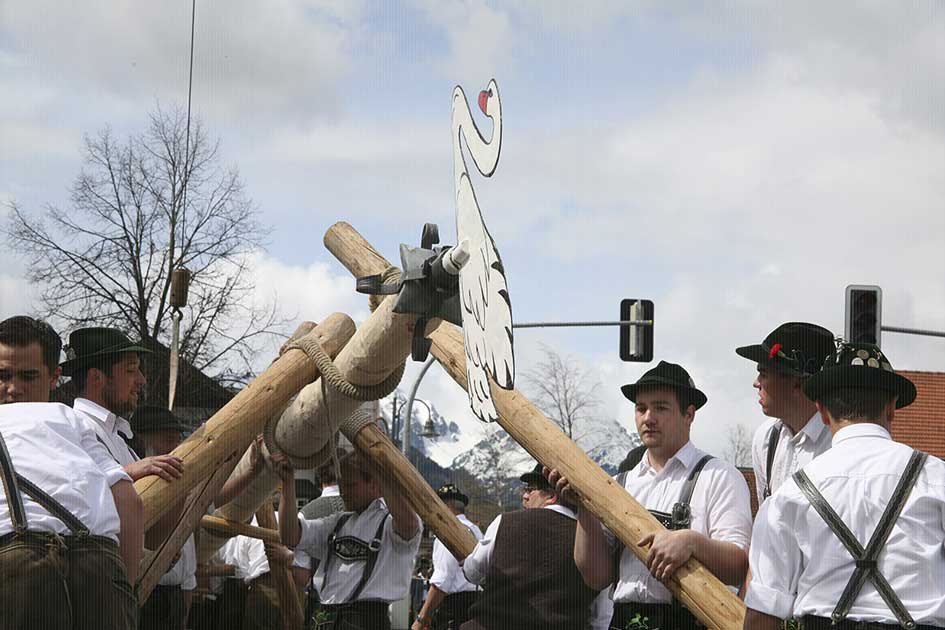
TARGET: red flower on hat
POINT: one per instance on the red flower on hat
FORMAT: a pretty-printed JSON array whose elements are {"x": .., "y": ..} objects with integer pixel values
[{"x": 775, "y": 349}]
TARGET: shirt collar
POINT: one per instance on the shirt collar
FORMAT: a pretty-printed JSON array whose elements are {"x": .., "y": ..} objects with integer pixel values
[
  {"x": 814, "y": 428},
  {"x": 331, "y": 491},
  {"x": 860, "y": 429},
  {"x": 687, "y": 456},
  {"x": 112, "y": 423},
  {"x": 560, "y": 509}
]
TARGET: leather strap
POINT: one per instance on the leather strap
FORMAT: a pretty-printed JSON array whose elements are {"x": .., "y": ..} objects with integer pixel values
[
  {"x": 11, "y": 489},
  {"x": 865, "y": 559},
  {"x": 371, "y": 562},
  {"x": 774, "y": 435}
]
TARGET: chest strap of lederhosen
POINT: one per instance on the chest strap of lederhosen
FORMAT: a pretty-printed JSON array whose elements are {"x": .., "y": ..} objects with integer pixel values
[
  {"x": 773, "y": 436},
  {"x": 866, "y": 558},
  {"x": 13, "y": 481},
  {"x": 374, "y": 548},
  {"x": 681, "y": 516}
]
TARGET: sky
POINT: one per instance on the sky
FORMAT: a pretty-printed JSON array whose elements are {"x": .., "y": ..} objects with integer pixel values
[{"x": 738, "y": 163}]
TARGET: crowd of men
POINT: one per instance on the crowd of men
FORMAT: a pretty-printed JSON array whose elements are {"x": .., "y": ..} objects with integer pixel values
[{"x": 850, "y": 532}]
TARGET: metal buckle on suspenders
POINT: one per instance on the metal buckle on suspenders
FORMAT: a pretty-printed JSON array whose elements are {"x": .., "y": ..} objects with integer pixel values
[{"x": 865, "y": 559}]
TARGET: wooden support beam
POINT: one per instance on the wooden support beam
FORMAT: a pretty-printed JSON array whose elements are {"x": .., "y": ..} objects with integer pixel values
[
  {"x": 693, "y": 584},
  {"x": 232, "y": 428},
  {"x": 216, "y": 570},
  {"x": 229, "y": 529},
  {"x": 289, "y": 604}
]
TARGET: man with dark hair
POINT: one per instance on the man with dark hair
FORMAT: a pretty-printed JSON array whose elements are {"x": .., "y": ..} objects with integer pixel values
[
  {"x": 29, "y": 360},
  {"x": 794, "y": 433},
  {"x": 703, "y": 502},
  {"x": 71, "y": 546},
  {"x": 367, "y": 552},
  {"x": 451, "y": 594},
  {"x": 525, "y": 564},
  {"x": 106, "y": 368},
  {"x": 855, "y": 538}
]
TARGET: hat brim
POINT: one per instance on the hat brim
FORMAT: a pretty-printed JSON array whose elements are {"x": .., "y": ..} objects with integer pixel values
[
  {"x": 536, "y": 479},
  {"x": 759, "y": 354},
  {"x": 696, "y": 397},
  {"x": 457, "y": 496},
  {"x": 860, "y": 377},
  {"x": 68, "y": 367}
]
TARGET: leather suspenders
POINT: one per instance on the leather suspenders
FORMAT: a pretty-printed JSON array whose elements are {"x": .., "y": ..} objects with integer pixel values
[
  {"x": 13, "y": 481},
  {"x": 374, "y": 548},
  {"x": 773, "y": 436},
  {"x": 866, "y": 568}
]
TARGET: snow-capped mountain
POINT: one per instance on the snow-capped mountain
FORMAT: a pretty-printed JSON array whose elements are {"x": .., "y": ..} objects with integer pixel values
[{"x": 487, "y": 450}]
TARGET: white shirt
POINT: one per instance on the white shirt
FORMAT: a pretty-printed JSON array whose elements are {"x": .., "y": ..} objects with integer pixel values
[
  {"x": 249, "y": 556},
  {"x": 793, "y": 451},
  {"x": 799, "y": 567},
  {"x": 390, "y": 580},
  {"x": 330, "y": 491},
  {"x": 720, "y": 507},
  {"x": 447, "y": 574},
  {"x": 56, "y": 449},
  {"x": 183, "y": 573},
  {"x": 476, "y": 566},
  {"x": 602, "y": 611},
  {"x": 107, "y": 427}
]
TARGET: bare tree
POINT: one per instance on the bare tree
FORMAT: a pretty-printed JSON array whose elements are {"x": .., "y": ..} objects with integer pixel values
[
  {"x": 139, "y": 209},
  {"x": 563, "y": 391},
  {"x": 738, "y": 446}
]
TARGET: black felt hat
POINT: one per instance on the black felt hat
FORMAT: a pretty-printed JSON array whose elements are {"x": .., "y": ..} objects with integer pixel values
[
  {"x": 859, "y": 366},
  {"x": 797, "y": 348},
  {"x": 450, "y": 491},
  {"x": 154, "y": 418},
  {"x": 667, "y": 375},
  {"x": 88, "y": 345},
  {"x": 535, "y": 478}
]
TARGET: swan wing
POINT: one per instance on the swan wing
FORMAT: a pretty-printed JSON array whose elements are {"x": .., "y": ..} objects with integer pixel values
[{"x": 486, "y": 308}]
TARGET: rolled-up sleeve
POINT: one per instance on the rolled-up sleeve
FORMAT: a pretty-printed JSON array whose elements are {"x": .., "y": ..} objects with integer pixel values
[
  {"x": 729, "y": 509},
  {"x": 775, "y": 560},
  {"x": 476, "y": 566}
]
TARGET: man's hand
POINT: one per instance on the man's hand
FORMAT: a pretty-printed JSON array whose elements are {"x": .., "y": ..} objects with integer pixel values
[
  {"x": 256, "y": 460},
  {"x": 283, "y": 468},
  {"x": 279, "y": 554},
  {"x": 562, "y": 486},
  {"x": 167, "y": 467},
  {"x": 668, "y": 552}
]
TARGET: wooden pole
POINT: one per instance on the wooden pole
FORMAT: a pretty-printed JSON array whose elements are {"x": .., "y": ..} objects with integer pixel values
[
  {"x": 234, "y": 426},
  {"x": 236, "y": 528},
  {"x": 693, "y": 584},
  {"x": 289, "y": 605}
]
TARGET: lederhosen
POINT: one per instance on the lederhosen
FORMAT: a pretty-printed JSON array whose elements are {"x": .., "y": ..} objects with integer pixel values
[
  {"x": 100, "y": 552},
  {"x": 672, "y": 616},
  {"x": 865, "y": 558},
  {"x": 454, "y": 610},
  {"x": 353, "y": 615}
]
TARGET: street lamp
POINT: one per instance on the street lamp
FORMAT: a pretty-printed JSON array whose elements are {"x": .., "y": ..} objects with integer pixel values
[{"x": 428, "y": 428}]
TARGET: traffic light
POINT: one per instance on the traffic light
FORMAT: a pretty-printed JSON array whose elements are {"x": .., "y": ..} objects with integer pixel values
[
  {"x": 636, "y": 342},
  {"x": 864, "y": 313}
]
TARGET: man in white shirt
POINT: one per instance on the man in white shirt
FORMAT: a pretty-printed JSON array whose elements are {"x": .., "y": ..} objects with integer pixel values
[
  {"x": 856, "y": 538},
  {"x": 525, "y": 564},
  {"x": 794, "y": 433},
  {"x": 451, "y": 594},
  {"x": 713, "y": 525},
  {"x": 366, "y": 553},
  {"x": 71, "y": 532}
]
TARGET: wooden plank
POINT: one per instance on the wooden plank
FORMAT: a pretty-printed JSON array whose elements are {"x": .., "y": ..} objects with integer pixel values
[
  {"x": 229, "y": 528},
  {"x": 289, "y": 604}
]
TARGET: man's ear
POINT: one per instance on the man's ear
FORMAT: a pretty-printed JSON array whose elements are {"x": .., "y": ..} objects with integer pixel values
[
  {"x": 824, "y": 414},
  {"x": 54, "y": 378}
]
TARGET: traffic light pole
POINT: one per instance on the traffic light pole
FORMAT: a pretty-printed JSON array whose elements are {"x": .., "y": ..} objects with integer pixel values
[{"x": 914, "y": 331}]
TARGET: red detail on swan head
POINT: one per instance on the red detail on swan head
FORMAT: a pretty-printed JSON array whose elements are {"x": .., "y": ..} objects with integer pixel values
[{"x": 483, "y": 101}]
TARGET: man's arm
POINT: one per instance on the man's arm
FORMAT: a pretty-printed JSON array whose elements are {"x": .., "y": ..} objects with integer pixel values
[
  {"x": 406, "y": 521},
  {"x": 755, "y": 620},
  {"x": 288, "y": 512},
  {"x": 593, "y": 554},
  {"x": 131, "y": 535},
  {"x": 238, "y": 482},
  {"x": 671, "y": 549},
  {"x": 434, "y": 598}
]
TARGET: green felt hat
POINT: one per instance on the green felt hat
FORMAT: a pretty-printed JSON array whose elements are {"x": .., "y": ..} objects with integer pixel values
[
  {"x": 859, "y": 366},
  {"x": 88, "y": 345},
  {"x": 667, "y": 375}
]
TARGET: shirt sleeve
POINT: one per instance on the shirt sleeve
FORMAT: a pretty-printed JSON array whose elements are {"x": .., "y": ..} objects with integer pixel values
[
  {"x": 775, "y": 559},
  {"x": 441, "y": 568},
  {"x": 477, "y": 564},
  {"x": 728, "y": 517},
  {"x": 314, "y": 537},
  {"x": 393, "y": 536},
  {"x": 301, "y": 559},
  {"x": 97, "y": 451}
]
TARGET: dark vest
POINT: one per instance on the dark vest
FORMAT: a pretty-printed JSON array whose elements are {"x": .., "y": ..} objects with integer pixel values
[{"x": 533, "y": 582}]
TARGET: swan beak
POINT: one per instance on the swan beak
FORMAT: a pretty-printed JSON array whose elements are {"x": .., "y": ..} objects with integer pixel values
[{"x": 483, "y": 101}]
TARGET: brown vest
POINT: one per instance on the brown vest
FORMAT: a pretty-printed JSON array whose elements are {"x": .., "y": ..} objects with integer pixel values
[{"x": 533, "y": 582}]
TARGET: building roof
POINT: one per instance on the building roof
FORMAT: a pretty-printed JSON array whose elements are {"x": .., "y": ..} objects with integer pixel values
[{"x": 921, "y": 425}]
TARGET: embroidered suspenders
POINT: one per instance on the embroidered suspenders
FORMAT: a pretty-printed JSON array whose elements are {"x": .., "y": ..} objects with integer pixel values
[
  {"x": 352, "y": 548},
  {"x": 681, "y": 516},
  {"x": 866, "y": 558},
  {"x": 12, "y": 481}
]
